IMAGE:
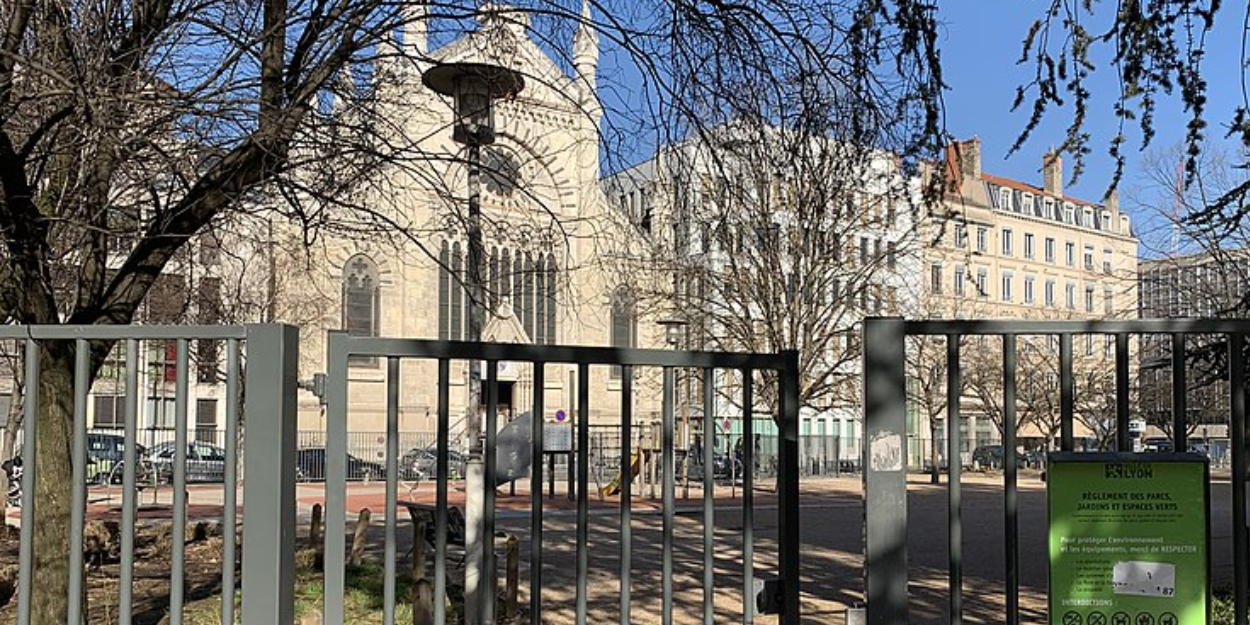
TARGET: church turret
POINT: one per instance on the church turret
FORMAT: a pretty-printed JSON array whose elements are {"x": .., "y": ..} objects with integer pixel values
[
  {"x": 414, "y": 29},
  {"x": 586, "y": 63}
]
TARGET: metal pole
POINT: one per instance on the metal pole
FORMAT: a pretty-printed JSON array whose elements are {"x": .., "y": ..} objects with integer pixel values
[
  {"x": 885, "y": 487},
  {"x": 269, "y": 497},
  {"x": 474, "y": 478}
]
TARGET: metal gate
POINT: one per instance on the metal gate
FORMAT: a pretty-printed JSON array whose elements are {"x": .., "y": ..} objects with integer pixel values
[
  {"x": 743, "y": 370},
  {"x": 268, "y": 539},
  {"x": 886, "y": 388}
]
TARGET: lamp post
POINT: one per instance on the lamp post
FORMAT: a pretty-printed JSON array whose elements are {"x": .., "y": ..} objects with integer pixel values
[
  {"x": 674, "y": 331},
  {"x": 474, "y": 87}
]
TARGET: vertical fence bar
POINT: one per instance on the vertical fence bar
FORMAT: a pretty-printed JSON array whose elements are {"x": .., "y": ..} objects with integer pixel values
[
  {"x": 627, "y": 484},
  {"x": 440, "y": 493},
  {"x": 177, "y": 583},
  {"x": 1123, "y": 441},
  {"x": 490, "y": 584},
  {"x": 1010, "y": 509},
  {"x": 666, "y": 493},
  {"x": 1179, "y": 393},
  {"x": 788, "y": 449},
  {"x": 269, "y": 497},
  {"x": 129, "y": 494},
  {"x": 885, "y": 485},
  {"x": 1067, "y": 405},
  {"x": 334, "y": 560},
  {"x": 583, "y": 479},
  {"x": 748, "y": 507},
  {"x": 1241, "y": 558},
  {"x": 536, "y": 496},
  {"x": 392, "y": 488},
  {"x": 954, "y": 466},
  {"x": 78, "y": 507},
  {"x": 30, "y": 426},
  {"x": 230, "y": 509},
  {"x": 709, "y": 496}
]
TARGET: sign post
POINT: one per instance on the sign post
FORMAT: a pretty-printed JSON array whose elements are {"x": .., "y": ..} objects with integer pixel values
[{"x": 1128, "y": 539}]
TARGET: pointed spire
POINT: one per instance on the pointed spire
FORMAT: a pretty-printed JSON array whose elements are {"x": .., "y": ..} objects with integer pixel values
[
  {"x": 586, "y": 61},
  {"x": 586, "y": 44},
  {"x": 415, "y": 30}
]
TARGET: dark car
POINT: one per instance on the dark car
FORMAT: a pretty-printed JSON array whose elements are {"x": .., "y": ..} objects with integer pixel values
[
  {"x": 105, "y": 453},
  {"x": 422, "y": 464},
  {"x": 205, "y": 463},
  {"x": 310, "y": 465},
  {"x": 988, "y": 457}
]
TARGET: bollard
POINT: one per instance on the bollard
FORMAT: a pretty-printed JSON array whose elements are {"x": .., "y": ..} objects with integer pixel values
[
  {"x": 314, "y": 528},
  {"x": 513, "y": 579},
  {"x": 422, "y": 589},
  {"x": 856, "y": 614},
  {"x": 358, "y": 543}
]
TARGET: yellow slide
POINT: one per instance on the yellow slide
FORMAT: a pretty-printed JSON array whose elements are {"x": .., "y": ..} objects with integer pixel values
[{"x": 614, "y": 487}]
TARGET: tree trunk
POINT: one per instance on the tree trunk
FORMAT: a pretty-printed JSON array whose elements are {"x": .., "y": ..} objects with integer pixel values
[{"x": 53, "y": 472}]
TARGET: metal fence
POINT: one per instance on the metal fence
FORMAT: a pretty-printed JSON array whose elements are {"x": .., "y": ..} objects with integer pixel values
[
  {"x": 479, "y": 595},
  {"x": 885, "y": 435},
  {"x": 269, "y": 498}
]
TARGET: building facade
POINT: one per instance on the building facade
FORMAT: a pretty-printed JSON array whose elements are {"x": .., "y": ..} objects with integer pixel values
[
  {"x": 541, "y": 212},
  {"x": 758, "y": 249},
  {"x": 1207, "y": 284},
  {"x": 998, "y": 248}
]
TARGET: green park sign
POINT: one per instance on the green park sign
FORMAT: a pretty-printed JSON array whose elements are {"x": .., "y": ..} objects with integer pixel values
[{"x": 1128, "y": 539}]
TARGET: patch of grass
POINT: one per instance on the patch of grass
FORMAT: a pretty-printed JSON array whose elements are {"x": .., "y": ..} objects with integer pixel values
[
  {"x": 362, "y": 602},
  {"x": 1222, "y": 607}
]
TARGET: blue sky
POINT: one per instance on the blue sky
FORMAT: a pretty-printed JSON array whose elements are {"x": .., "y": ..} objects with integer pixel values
[{"x": 980, "y": 45}]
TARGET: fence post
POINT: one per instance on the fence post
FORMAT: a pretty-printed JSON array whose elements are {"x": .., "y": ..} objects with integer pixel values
[
  {"x": 885, "y": 471},
  {"x": 788, "y": 468},
  {"x": 269, "y": 495}
]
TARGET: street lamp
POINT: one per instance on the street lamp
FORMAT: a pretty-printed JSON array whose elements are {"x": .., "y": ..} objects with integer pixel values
[
  {"x": 474, "y": 87},
  {"x": 674, "y": 331}
]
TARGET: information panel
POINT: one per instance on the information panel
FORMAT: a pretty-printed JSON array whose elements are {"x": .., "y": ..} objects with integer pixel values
[{"x": 1128, "y": 539}]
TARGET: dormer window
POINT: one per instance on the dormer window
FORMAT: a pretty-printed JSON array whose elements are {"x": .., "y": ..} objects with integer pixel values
[
  {"x": 1087, "y": 217},
  {"x": 1048, "y": 208},
  {"x": 1106, "y": 221},
  {"x": 1028, "y": 203},
  {"x": 1069, "y": 214},
  {"x": 1004, "y": 198}
]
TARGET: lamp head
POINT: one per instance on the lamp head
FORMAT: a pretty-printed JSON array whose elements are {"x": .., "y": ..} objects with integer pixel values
[{"x": 474, "y": 87}]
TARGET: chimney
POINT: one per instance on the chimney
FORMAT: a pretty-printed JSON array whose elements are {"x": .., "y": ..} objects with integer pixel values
[
  {"x": 1052, "y": 173},
  {"x": 970, "y": 158},
  {"x": 1112, "y": 203}
]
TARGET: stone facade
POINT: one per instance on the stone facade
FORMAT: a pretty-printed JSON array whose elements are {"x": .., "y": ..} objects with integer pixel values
[{"x": 541, "y": 208}]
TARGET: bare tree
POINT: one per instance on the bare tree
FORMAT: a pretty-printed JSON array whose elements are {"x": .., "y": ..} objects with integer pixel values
[{"x": 127, "y": 129}]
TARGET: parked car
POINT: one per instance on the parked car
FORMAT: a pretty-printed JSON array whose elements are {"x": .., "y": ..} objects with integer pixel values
[
  {"x": 205, "y": 463},
  {"x": 988, "y": 457},
  {"x": 105, "y": 455},
  {"x": 422, "y": 464},
  {"x": 310, "y": 465}
]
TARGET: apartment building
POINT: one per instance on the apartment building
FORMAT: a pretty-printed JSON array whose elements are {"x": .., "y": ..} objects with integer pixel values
[
  {"x": 763, "y": 250},
  {"x": 1212, "y": 283},
  {"x": 999, "y": 248}
]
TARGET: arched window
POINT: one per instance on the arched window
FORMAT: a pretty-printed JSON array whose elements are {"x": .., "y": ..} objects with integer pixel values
[
  {"x": 360, "y": 301},
  {"x": 456, "y": 289},
  {"x": 624, "y": 323},
  {"x": 551, "y": 299}
]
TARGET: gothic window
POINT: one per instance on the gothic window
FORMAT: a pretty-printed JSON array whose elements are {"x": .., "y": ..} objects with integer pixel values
[
  {"x": 624, "y": 323},
  {"x": 551, "y": 299},
  {"x": 456, "y": 290},
  {"x": 360, "y": 301},
  {"x": 539, "y": 331},
  {"x": 444, "y": 293}
]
